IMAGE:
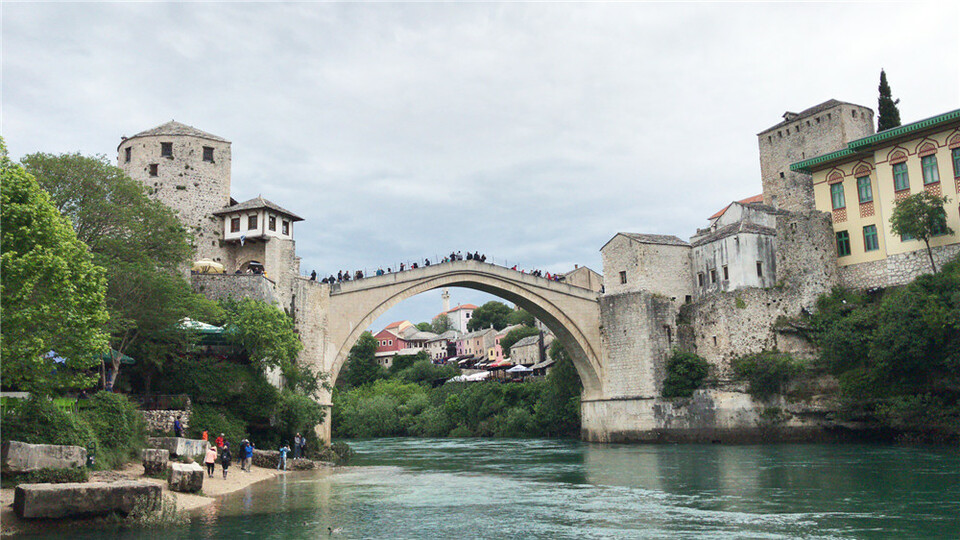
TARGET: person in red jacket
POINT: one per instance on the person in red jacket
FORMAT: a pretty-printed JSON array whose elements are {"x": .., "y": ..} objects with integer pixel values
[{"x": 219, "y": 442}]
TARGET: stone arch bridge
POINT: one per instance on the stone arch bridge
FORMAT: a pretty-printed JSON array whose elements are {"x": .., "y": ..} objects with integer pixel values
[
  {"x": 331, "y": 317},
  {"x": 615, "y": 342}
]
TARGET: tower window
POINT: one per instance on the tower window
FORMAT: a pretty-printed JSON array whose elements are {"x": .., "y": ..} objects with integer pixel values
[
  {"x": 901, "y": 179},
  {"x": 166, "y": 149},
  {"x": 713, "y": 276},
  {"x": 154, "y": 169},
  {"x": 235, "y": 224},
  {"x": 700, "y": 279},
  {"x": 623, "y": 277},
  {"x": 726, "y": 273},
  {"x": 759, "y": 269},
  {"x": 208, "y": 153},
  {"x": 286, "y": 227},
  {"x": 251, "y": 222},
  {"x": 126, "y": 154},
  {"x": 272, "y": 223}
]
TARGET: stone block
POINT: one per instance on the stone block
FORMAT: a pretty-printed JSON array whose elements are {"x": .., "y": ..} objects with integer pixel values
[
  {"x": 32, "y": 501},
  {"x": 179, "y": 446},
  {"x": 20, "y": 457},
  {"x": 185, "y": 477},
  {"x": 268, "y": 458},
  {"x": 154, "y": 460}
]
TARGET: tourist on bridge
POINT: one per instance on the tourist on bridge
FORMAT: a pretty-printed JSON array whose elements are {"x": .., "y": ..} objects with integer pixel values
[
  {"x": 339, "y": 276},
  {"x": 211, "y": 459},
  {"x": 313, "y": 275},
  {"x": 476, "y": 256},
  {"x": 401, "y": 267},
  {"x": 225, "y": 458},
  {"x": 426, "y": 262},
  {"x": 469, "y": 256}
]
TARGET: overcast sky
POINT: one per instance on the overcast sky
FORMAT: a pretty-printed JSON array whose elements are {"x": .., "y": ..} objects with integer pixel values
[{"x": 530, "y": 132}]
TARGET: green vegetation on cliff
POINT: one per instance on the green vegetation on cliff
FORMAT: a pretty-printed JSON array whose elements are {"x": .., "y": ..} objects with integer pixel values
[{"x": 896, "y": 354}]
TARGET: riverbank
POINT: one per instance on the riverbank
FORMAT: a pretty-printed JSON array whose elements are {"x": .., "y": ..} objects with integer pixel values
[{"x": 213, "y": 488}]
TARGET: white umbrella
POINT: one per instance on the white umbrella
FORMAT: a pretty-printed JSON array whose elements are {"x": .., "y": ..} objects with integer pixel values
[{"x": 519, "y": 369}]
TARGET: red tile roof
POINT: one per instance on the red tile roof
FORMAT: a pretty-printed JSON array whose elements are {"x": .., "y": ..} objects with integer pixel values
[
  {"x": 748, "y": 200},
  {"x": 464, "y": 306}
]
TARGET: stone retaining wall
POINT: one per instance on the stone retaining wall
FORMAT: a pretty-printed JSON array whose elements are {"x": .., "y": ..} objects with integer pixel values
[
  {"x": 898, "y": 269},
  {"x": 162, "y": 420}
]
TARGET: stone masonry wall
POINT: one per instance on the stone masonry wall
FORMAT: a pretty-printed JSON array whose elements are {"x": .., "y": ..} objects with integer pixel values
[
  {"x": 721, "y": 327},
  {"x": 235, "y": 286},
  {"x": 817, "y": 132},
  {"x": 162, "y": 420},
  {"x": 638, "y": 330},
  {"x": 659, "y": 269},
  {"x": 192, "y": 187},
  {"x": 898, "y": 269}
]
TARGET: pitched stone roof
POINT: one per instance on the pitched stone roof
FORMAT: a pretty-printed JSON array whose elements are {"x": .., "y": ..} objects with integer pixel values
[
  {"x": 529, "y": 340},
  {"x": 176, "y": 128},
  {"x": 790, "y": 117},
  {"x": 664, "y": 239},
  {"x": 256, "y": 204},
  {"x": 732, "y": 229}
]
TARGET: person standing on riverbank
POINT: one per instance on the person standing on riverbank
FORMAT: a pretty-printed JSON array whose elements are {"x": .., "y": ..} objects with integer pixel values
[
  {"x": 282, "y": 462},
  {"x": 296, "y": 447},
  {"x": 225, "y": 458},
  {"x": 303, "y": 446},
  {"x": 211, "y": 459},
  {"x": 248, "y": 456}
]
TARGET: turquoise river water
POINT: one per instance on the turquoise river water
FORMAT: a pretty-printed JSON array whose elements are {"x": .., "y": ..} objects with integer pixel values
[{"x": 476, "y": 488}]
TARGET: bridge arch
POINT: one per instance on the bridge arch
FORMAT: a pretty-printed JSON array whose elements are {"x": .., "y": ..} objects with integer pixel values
[{"x": 570, "y": 312}]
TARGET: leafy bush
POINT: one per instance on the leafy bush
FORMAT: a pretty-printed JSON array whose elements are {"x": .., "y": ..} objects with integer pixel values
[
  {"x": 47, "y": 476},
  {"x": 38, "y": 421},
  {"x": 424, "y": 371},
  {"x": 297, "y": 413},
  {"x": 216, "y": 420},
  {"x": 685, "y": 373},
  {"x": 767, "y": 373},
  {"x": 118, "y": 426}
]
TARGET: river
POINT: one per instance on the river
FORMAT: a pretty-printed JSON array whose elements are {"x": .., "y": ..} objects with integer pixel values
[{"x": 485, "y": 488}]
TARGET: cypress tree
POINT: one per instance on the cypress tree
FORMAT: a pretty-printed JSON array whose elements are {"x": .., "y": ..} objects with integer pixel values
[{"x": 889, "y": 115}]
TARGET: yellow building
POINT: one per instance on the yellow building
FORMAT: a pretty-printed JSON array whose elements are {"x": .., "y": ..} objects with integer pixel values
[{"x": 860, "y": 185}]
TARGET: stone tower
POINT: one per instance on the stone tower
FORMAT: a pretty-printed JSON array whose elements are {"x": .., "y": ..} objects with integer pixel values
[
  {"x": 189, "y": 171},
  {"x": 819, "y": 130}
]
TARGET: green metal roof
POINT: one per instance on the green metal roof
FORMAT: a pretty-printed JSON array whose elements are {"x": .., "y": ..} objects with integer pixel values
[
  {"x": 804, "y": 166},
  {"x": 864, "y": 144},
  {"x": 904, "y": 130}
]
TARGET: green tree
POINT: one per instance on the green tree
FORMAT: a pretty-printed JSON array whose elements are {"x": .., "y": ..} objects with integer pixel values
[
  {"x": 522, "y": 316},
  {"x": 558, "y": 407},
  {"x": 139, "y": 241},
  {"x": 361, "y": 366},
  {"x": 921, "y": 216},
  {"x": 52, "y": 293},
  {"x": 888, "y": 116},
  {"x": 424, "y": 327},
  {"x": 441, "y": 323},
  {"x": 516, "y": 335},
  {"x": 685, "y": 373},
  {"x": 492, "y": 313}
]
